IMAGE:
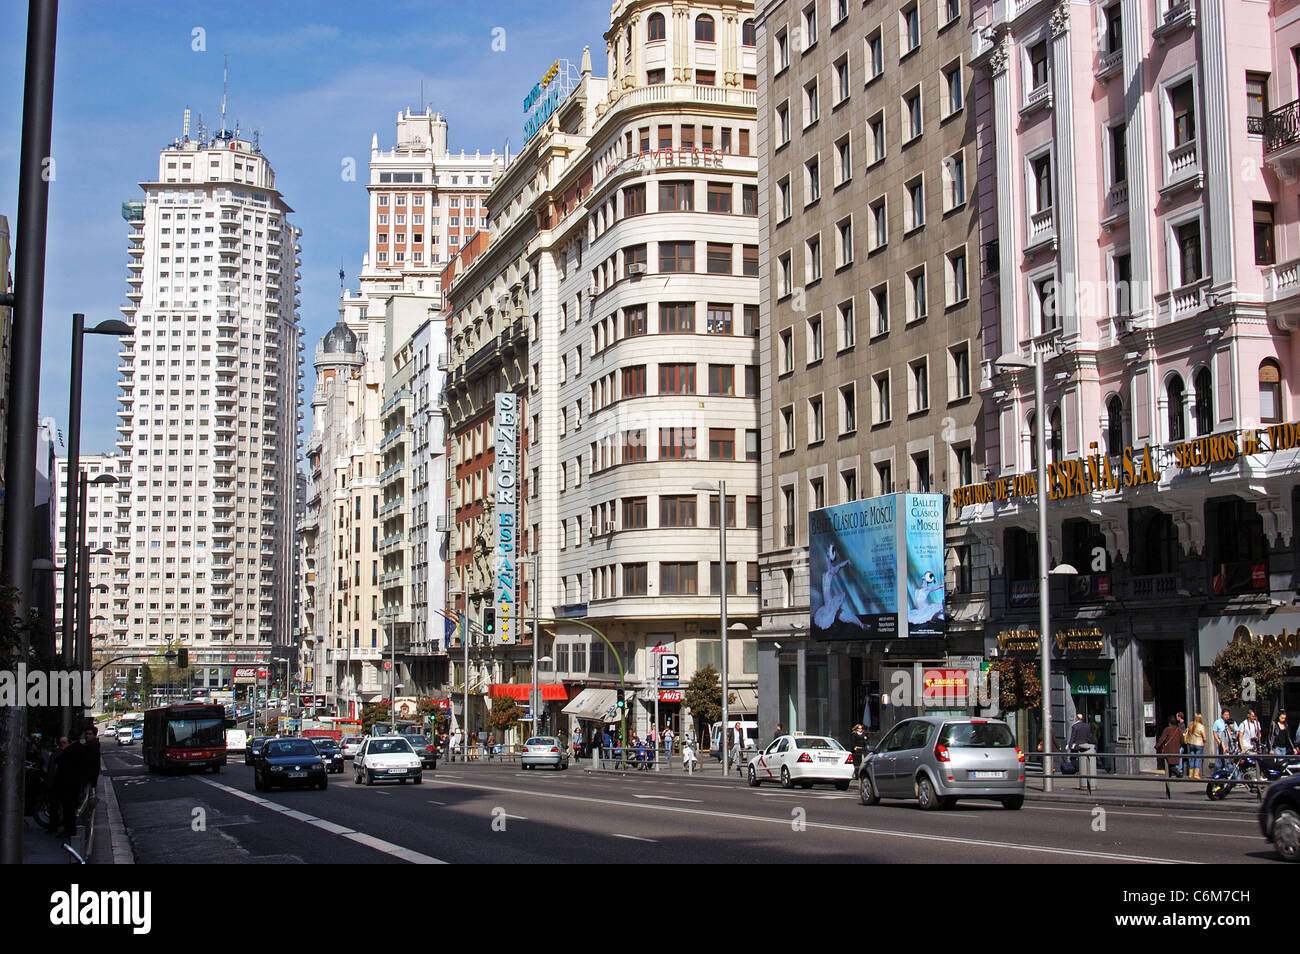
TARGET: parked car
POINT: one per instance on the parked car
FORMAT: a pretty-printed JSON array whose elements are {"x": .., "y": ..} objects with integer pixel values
[
  {"x": 1279, "y": 817},
  {"x": 331, "y": 753},
  {"x": 351, "y": 745},
  {"x": 253, "y": 749},
  {"x": 803, "y": 760},
  {"x": 386, "y": 757},
  {"x": 426, "y": 750},
  {"x": 289, "y": 763},
  {"x": 938, "y": 760},
  {"x": 544, "y": 750}
]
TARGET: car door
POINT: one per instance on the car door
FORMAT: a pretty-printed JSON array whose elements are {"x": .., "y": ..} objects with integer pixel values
[
  {"x": 908, "y": 760},
  {"x": 768, "y": 768},
  {"x": 882, "y": 763}
]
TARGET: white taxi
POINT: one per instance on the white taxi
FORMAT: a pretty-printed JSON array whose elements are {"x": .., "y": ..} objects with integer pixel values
[{"x": 803, "y": 760}]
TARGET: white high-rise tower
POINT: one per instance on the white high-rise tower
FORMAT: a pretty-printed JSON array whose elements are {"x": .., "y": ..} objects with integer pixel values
[{"x": 210, "y": 407}]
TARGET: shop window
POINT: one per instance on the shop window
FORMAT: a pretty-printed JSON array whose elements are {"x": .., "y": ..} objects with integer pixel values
[{"x": 1235, "y": 547}]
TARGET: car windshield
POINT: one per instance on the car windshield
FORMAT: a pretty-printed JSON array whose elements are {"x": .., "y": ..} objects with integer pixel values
[
  {"x": 351, "y": 740},
  {"x": 390, "y": 747},
  {"x": 290, "y": 748},
  {"x": 818, "y": 743},
  {"x": 977, "y": 735},
  {"x": 323, "y": 744},
  {"x": 540, "y": 740}
]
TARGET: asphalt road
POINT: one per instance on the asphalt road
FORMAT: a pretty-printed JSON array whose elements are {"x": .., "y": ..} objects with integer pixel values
[{"x": 482, "y": 813}]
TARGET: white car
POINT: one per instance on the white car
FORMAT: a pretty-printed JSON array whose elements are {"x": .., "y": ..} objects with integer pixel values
[
  {"x": 124, "y": 735},
  {"x": 351, "y": 746},
  {"x": 803, "y": 760},
  {"x": 386, "y": 757}
]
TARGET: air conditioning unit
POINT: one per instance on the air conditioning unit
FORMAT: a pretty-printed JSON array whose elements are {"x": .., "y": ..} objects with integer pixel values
[
  {"x": 608, "y": 526},
  {"x": 636, "y": 270}
]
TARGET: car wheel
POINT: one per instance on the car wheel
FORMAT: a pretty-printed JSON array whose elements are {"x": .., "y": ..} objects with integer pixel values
[
  {"x": 786, "y": 781},
  {"x": 1286, "y": 834},
  {"x": 867, "y": 793},
  {"x": 753, "y": 778},
  {"x": 257, "y": 781},
  {"x": 418, "y": 780},
  {"x": 1218, "y": 791},
  {"x": 368, "y": 776},
  {"x": 1013, "y": 802},
  {"x": 324, "y": 783},
  {"x": 842, "y": 786},
  {"x": 925, "y": 793}
]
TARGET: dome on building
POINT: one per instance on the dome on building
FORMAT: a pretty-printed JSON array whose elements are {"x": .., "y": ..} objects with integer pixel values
[{"x": 339, "y": 339}]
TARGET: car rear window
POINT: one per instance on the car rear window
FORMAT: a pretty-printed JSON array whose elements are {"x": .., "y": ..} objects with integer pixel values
[
  {"x": 538, "y": 740},
  {"x": 818, "y": 743},
  {"x": 977, "y": 735},
  {"x": 291, "y": 747}
]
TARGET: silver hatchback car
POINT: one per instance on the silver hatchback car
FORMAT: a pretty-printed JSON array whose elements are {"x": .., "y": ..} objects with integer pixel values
[
  {"x": 940, "y": 759},
  {"x": 544, "y": 750}
]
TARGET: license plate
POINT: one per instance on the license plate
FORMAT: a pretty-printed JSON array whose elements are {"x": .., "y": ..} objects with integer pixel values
[
  {"x": 985, "y": 774},
  {"x": 297, "y": 774},
  {"x": 826, "y": 758},
  {"x": 397, "y": 771}
]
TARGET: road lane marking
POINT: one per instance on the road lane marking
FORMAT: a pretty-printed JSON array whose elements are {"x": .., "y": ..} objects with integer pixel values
[
  {"x": 1170, "y": 814},
  {"x": 653, "y": 841},
  {"x": 886, "y": 833},
  {"x": 432, "y": 802},
  {"x": 1220, "y": 834},
  {"x": 370, "y": 841},
  {"x": 669, "y": 798}
]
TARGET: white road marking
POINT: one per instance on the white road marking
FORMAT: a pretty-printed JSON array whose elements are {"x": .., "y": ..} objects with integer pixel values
[
  {"x": 669, "y": 798},
  {"x": 1220, "y": 834},
  {"x": 1117, "y": 812},
  {"x": 379, "y": 844},
  {"x": 517, "y": 817},
  {"x": 432, "y": 802},
  {"x": 635, "y": 838},
  {"x": 882, "y": 832}
]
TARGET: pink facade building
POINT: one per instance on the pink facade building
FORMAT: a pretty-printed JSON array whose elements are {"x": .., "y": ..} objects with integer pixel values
[{"x": 1138, "y": 227}]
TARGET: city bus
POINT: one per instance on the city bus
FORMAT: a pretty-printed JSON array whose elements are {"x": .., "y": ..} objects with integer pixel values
[{"x": 185, "y": 736}]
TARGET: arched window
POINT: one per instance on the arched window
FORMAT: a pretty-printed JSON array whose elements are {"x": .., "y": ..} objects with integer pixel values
[
  {"x": 654, "y": 27},
  {"x": 1054, "y": 438},
  {"x": 1204, "y": 407},
  {"x": 1176, "y": 397},
  {"x": 1031, "y": 429},
  {"x": 1114, "y": 425},
  {"x": 747, "y": 33},
  {"x": 704, "y": 28},
  {"x": 1270, "y": 392}
]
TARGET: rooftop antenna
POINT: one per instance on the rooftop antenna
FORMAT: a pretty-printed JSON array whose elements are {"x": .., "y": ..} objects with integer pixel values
[
  {"x": 225, "y": 75},
  {"x": 185, "y": 126},
  {"x": 341, "y": 274},
  {"x": 421, "y": 97}
]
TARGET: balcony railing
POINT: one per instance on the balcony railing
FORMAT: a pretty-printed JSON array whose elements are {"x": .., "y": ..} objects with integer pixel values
[
  {"x": 1041, "y": 226},
  {"x": 1184, "y": 161},
  {"x": 1282, "y": 127}
]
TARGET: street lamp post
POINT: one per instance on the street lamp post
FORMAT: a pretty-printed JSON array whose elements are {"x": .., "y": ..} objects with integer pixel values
[
  {"x": 722, "y": 588},
  {"x": 392, "y": 679}
]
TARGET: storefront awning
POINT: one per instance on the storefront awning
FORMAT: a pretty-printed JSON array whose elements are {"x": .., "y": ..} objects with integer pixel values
[
  {"x": 551, "y": 692},
  {"x": 746, "y": 702},
  {"x": 594, "y": 705}
]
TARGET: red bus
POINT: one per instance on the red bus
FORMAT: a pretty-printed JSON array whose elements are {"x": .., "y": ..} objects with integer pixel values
[{"x": 185, "y": 736}]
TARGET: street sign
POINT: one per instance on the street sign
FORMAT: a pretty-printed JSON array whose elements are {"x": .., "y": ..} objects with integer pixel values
[
  {"x": 666, "y": 683},
  {"x": 388, "y": 664},
  {"x": 535, "y": 701},
  {"x": 669, "y": 666},
  {"x": 670, "y": 695}
]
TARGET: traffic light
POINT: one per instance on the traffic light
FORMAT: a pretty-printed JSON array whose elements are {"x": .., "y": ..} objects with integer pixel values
[
  {"x": 622, "y": 703},
  {"x": 183, "y": 658},
  {"x": 490, "y": 621}
]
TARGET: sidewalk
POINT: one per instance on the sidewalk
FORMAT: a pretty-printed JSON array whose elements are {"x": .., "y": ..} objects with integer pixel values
[{"x": 100, "y": 840}]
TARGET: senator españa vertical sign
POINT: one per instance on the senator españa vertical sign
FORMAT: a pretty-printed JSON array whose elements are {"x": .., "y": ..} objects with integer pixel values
[
  {"x": 876, "y": 568},
  {"x": 507, "y": 515}
]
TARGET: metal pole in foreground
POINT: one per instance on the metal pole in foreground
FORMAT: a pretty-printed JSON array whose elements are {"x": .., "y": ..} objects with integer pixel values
[
  {"x": 25, "y": 387},
  {"x": 1044, "y": 615},
  {"x": 72, "y": 511},
  {"x": 534, "y": 703},
  {"x": 722, "y": 573}
]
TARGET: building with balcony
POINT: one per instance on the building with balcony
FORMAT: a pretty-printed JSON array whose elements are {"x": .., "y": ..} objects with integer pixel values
[
  {"x": 208, "y": 407},
  {"x": 1138, "y": 223}
]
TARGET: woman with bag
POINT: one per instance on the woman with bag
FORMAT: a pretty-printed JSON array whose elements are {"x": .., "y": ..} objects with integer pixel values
[
  {"x": 1170, "y": 745},
  {"x": 1194, "y": 739}
]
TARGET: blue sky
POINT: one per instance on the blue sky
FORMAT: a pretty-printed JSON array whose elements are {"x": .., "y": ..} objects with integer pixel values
[{"x": 318, "y": 78}]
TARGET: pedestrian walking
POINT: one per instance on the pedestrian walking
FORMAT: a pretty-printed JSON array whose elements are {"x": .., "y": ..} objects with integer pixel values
[
  {"x": 1281, "y": 740},
  {"x": 606, "y": 745},
  {"x": 1170, "y": 745},
  {"x": 1182, "y": 727},
  {"x": 1194, "y": 741},
  {"x": 668, "y": 743},
  {"x": 1081, "y": 743},
  {"x": 1220, "y": 730},
  {"x": 858, "y": 745},
  {"x": 491, "y": 746},
  {"x": 778, "y": 733},
  {"x": 92, "y": 756},
  {"x": 737, "y": 745},
  {"x": 1250, "y": 734},
  {"x": 69, "y": 778}
]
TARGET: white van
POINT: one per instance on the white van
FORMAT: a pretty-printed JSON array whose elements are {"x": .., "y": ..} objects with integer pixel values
[{"x": 716, "y": 736}]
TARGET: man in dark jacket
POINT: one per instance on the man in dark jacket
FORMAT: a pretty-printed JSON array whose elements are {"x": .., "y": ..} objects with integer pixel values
[
  {"x": 1080, "y": 741},
  {"x": 69, "y": 771},
  {"x": 1170, "y": 744},
  {"x": 92, "y": 756}
]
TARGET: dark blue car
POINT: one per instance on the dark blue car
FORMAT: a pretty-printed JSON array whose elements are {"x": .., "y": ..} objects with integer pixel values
[
  {"x": 331, "y": 753},
  {"x": 290, "y": 763}
]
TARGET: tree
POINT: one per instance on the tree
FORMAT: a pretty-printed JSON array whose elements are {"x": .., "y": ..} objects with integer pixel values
[
  {"x": 373, "y": 712},
  {"x": 1019, "y": 686},
  {"x": 132, "y": 685},
  {"x": 506, "y": 711},
  {"x": 1247, "y": 671},
  {"x": 703, "y": 696}
]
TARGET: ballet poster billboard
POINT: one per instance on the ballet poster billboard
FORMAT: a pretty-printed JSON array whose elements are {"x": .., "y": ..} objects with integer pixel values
[{"x": 876, "y": 568}]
